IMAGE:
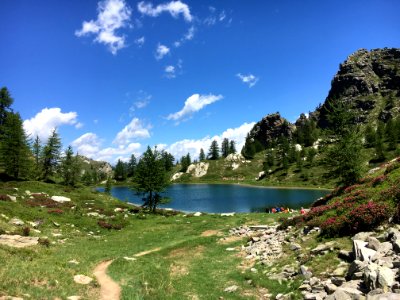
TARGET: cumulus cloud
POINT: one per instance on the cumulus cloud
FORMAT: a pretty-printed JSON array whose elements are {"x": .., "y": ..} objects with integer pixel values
[
  {"x": 193, "y": 104},
  {"x": 112, "y": 15},
  {"x": 48, "y": 119},
  {"x": 172, "y": 71},
  {"x": 180, "y": 148},
  {"x": 250, "y": 79},
  {"x": 175, "y": 8},
  {"x": 89, "y": 145},
  {"x": 161, "y": 51},
  {"x": 134, "y": 130}
]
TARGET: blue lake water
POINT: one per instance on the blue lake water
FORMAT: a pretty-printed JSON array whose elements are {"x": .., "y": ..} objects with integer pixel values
[{"x": 219, "y": 198}]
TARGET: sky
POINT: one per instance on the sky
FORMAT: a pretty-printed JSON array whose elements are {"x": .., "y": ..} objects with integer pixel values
[{"x": 115, "y": 76}]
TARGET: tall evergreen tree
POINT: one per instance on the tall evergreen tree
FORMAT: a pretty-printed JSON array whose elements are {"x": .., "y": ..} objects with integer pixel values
[
  {"x": 168, "y": 159},
  {"x": 185, "y": 162},
  {"x": 132, "y": 166},
  {"x": 369, "y": 134},
  {"x": 232, "y": 147},
  {"x": 120, "y": 171},
  {"x": 151, "y": 179},
  {"x": 391, "y": 134},
  {"x": 51, "y": 153},
  {"x": 5, "y": 106},
  {"x": 344, "y": 159},
  {"x": 202, "y": 156},
  {"x": 225, "y": 147},
  {"x": 36, "y": 151},
  {"x": 213, "y": 152},
  {"x": 70, "y": 168},
  {"x": 14, "y": 148}
]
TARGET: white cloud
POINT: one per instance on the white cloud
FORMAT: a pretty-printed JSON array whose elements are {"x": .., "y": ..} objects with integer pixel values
[
  {"x": 170, "y": 72},
  {"x": 48, "y": 119},
  {"x": 89, "y": 145},
  {"x": 175, "y": 8},
  {"x": 141, "y": 101},
  {"x": 78, "y": 125},
  {"x": 112, "y": 15},
  {"x": 161, "y": 51},
  {"x": 140, "y": 41},
  {"x": 134, "y": 130},
  {"x": 188, "y": 36},
  {"x": 217, "y": 17},
  {"x": 238, "y": 134},
  {"x": 250, "y": 79},
  {"x": 193, "y": 104}
]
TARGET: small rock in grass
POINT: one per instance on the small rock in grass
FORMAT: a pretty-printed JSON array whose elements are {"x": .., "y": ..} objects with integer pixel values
[
  {"x": 231, "y": 289},
  {"x": 197, "y": 214},
  {"x": 74, "y": 298},
  {"x": 74, "y": 262},
  {"x": 60, "y": 199},
  {"x": 82, "y": 279},
  {"x": 230, "y": 249},
  {"x": 16, "y": 221}
]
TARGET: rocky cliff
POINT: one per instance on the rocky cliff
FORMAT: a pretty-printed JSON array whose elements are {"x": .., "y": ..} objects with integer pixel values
[{"x": 369, "y": 81}]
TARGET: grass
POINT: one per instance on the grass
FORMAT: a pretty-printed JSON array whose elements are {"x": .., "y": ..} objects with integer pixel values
[{"x": 188, "y": 265}]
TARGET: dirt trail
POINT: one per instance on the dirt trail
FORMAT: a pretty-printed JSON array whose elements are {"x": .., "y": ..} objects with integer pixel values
[
  {"x": 109, "y": 289},
  {"x": 147, "y": 252}
]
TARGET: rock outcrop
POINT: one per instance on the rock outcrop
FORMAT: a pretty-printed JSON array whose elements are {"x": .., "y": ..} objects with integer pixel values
[
  {"x": 370, "y": 82},
  {"x": 198, "y": 170}
]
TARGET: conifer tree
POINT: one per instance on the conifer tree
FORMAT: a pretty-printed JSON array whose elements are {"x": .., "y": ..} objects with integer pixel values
[
  {"x": 379, "y": 148},
  {"x": 185, "y": 162},
  {"x": 369, "y": 134},
  {"x": 213, "y": 152},
  {"x": 132, "y": 166},
  {"x": 120, "y": 171},
  {"x": 14, "y": 148},
  {"x": 36, "y": 151},
  {"x": 232, "y": 147},
  {"x": 202, "y": 156},
  {"x": 225, "y": 147},
  {"x": 70, "y": 168},
  {"x": 108, "y": 187},
  {"x": 391, "y": 134},
  {"x": 5, "y": 106},
  {"x": 151, "y": 179},
  {"x": 168, "y": 159},
  {"x": 51, "y": 155}
]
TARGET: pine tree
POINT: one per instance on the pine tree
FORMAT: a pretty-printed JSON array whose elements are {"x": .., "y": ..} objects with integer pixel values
[
  {"x": 51, "y": 155},
  {"x": 120, "y": 171},
  {"x": 108, "y": 187},
  {"x": 202, "y": 156},
  {"x": 369, "y": 134},
  {"x": 185, "y": 162},
  {"x": 168, "y": 159},
  {"x": 232, "y": 147},
  {"x": 213, "y": 152},
  {"x": 344, "y": 159},
  {"x": 311, "y": 153},
  {"x": 5, "y": 107},
  {"x": 225, "y": 147},
  {"x": 151, "y": 179},
  {"x": 391, "y": 134},
  {"x": 14, "y": 148},
  {"x": 70, "y": 168},
  {"x": 132, "y": 166},
  {"x": 36, "y": 151}
]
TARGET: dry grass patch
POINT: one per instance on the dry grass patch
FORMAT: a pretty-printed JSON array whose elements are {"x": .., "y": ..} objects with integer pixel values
[
  {"x": 182, "y": 258},
  {"x": 211, "y": 233},
  {"x": 230, "y": 239}
]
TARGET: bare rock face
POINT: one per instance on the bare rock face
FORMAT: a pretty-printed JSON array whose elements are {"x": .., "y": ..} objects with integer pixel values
[
  {"x": 18, "y": 241},
  {"x": 363, "y": 80},
  {"x": 198, "y": 170},
  {"x": 176, "y": 176}
]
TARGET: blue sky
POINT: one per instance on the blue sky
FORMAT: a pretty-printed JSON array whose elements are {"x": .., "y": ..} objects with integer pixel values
[{"x": 117, "y": 75}]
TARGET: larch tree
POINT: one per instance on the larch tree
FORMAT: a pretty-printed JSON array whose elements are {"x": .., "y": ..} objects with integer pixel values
[
  {"x": 151, "y": 179},
  {"x": 14, "y": 148},
  {"x": 51, "y": 154},
  {"x": 70, "y": 168}
]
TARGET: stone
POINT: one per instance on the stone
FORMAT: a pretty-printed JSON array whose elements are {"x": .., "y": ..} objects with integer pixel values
[
  {"x": 60, "y": 199},
  {"x": 231, "y": 289},
  {"x": 198, "y": 170},
  {"x": 176, "y": 176},
  {"x": 346, "y": 255},
  {"x": 10, "y": 298},
  {"x": 330, "y": 288},
  {"x": 74, "y": 298},
  {"x": 295, "y": 247},
  {"x": 356, "y": 266},
  {"x": 338, "y": 281},
  {"x": 361, "y": 252},
  {"x": 362, "y": 236},
  {"x": 371, "y": 276},
  {"x": 384, "y": 249},
  {"x": 385, "y": 296},
  {"x": 396, "y": 246},
  {"x": 230, "y": 249},
  {"x": 320, "y": 249},
  {"x": 197, "y": 214},
  {"x": 305, "y": 272},
  {"x": 16, "y": 222},
  {"x": 373, "y": 243},
  {"x": 305, "y": 287},
  {"x": 73, "y": 262},
  {"x": 82, "y": 279},
  {"x": 18, "y": 241},
  {"x": 386, "y": 278},
  {"x": 340, "y": 295},
  {"x": 227, "y": 214},
  {"x": 12, "y": 198}
]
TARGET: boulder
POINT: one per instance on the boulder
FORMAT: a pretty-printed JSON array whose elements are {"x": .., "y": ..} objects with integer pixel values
[
  {"x": 60, "y": 199},
  {"x": 82, "y": 279},
  {"x": 320, "y": 249},
  {"x": 373, "y": 243},
  {"x": 386, "y": 278},
  {"x": 12, "y": 198},
  {"x": 176, "y": 176},
  {"x": 361, "y": 252},
  {"x": 231, "y": 289},
  {"x": 384, "y": 296},
  {"x": 18, "y": 241},
  {"x": 198, "y": 170},
  {"x": 362, "y": 236},
  {"x": 371, "y": 276},
  {"x": 339, "y": 295},
  {"x": 16, "y": 222}
]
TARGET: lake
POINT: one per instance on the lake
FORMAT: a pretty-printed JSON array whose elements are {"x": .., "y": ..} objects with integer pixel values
[{"x": 220, "y": 198}]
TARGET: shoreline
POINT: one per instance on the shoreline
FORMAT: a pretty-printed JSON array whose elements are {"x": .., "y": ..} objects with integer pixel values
[{"x": 257, "y": 186}]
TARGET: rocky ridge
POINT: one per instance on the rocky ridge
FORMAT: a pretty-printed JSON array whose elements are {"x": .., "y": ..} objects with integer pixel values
[{"x": 371, "y": 270}]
